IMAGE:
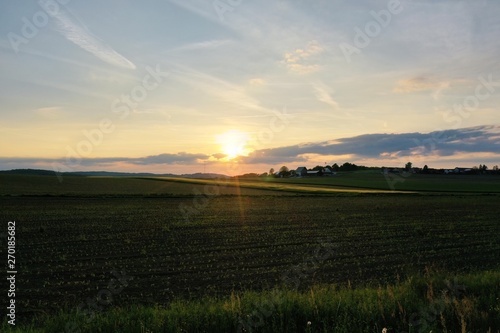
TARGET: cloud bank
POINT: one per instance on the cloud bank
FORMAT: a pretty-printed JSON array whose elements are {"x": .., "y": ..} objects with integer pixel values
[
  {"x": 469, "y": 145},
  {"x": 481, "y": 139}
]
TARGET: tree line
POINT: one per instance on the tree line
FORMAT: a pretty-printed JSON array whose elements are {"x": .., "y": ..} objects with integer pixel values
[{"x": 284, "y": 171}]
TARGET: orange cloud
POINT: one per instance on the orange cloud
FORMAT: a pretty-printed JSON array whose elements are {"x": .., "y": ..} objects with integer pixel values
[{"x": 418, "y": 84}]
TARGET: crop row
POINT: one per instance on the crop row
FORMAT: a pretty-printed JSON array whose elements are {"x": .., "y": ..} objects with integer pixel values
[{"x": 67, "y": 247}]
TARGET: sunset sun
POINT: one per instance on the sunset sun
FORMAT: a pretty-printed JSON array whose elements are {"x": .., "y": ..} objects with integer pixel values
[{"x": 233, "y": 143}]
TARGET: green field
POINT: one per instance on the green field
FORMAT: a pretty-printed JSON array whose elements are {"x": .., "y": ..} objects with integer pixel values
[
  {"x": 209, "y": 256},
  {"x": 163, "y": 186},
  {"x": 405, "y": 182},
  {"x": 111, "y": 186},
  {"x": 348, "y": 182}
]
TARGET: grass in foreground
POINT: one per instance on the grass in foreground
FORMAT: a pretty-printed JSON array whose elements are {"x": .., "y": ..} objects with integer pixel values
[{"x": 436, "y": 302}]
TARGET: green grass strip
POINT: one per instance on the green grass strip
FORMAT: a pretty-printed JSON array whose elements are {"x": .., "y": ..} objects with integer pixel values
[{"x": 437, "y": 303}]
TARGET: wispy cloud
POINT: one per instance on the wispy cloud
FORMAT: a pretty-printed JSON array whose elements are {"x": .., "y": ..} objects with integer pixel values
[
  {"x": 202, "y": 8},
  {"x": 171, "y": 159},
  {"x": 218, "y": 88},
  {"x": 257, "y": 82},
  {"x": 420, "y": 83},
  {"x": 426, "y": 83},
  {"x": 50, "y": 112},
  {"x": 323, "y": 94},
  {"x": 298, "y": 61},
  {"x": 209, "y": 44},
  {"x": 80, "y": 36},
  {"x": 179, "y": 158}
]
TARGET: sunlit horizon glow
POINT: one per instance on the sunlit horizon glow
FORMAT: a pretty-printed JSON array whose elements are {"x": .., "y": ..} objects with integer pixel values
[
  {"x": 183, "y": 88},
  {"x": 233, "y": 143}
]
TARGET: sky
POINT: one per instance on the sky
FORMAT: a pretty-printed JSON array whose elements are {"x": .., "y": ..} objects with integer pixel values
[{"x": 238, "y": 86}]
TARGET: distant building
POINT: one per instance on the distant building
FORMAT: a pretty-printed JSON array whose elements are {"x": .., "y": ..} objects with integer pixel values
[
  {"x": 387, "y": 170},
  {"x": 462, "y": 170},
  {"x": 301, "y": 172},
  {"x": 328, "y": 172}
]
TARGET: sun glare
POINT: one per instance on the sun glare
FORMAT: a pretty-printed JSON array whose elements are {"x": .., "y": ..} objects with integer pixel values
[{"x": 233, "y": 143}]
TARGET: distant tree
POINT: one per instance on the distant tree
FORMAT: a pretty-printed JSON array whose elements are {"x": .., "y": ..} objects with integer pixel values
[
  {"x": 479, "y": 169},
  {"x": 248, "y": 175},
  {"x": 317, "y": 168},
  {"x": 408, "y": 166},
  {"x": 335, "y": 167},
  {"x": 348, "y": 167},
  {"x": 495, "y": 168},
  {"x": 265, "y": 174},
  {"x": 284, "y": 171},
  {"x": 425, "y": 169},
  {"x": 271, "y": 172}
]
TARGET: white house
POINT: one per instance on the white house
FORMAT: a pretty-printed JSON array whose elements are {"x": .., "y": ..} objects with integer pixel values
[
  {"x": 328, "y": 172},
  {"x": 301, "y": 172}
]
